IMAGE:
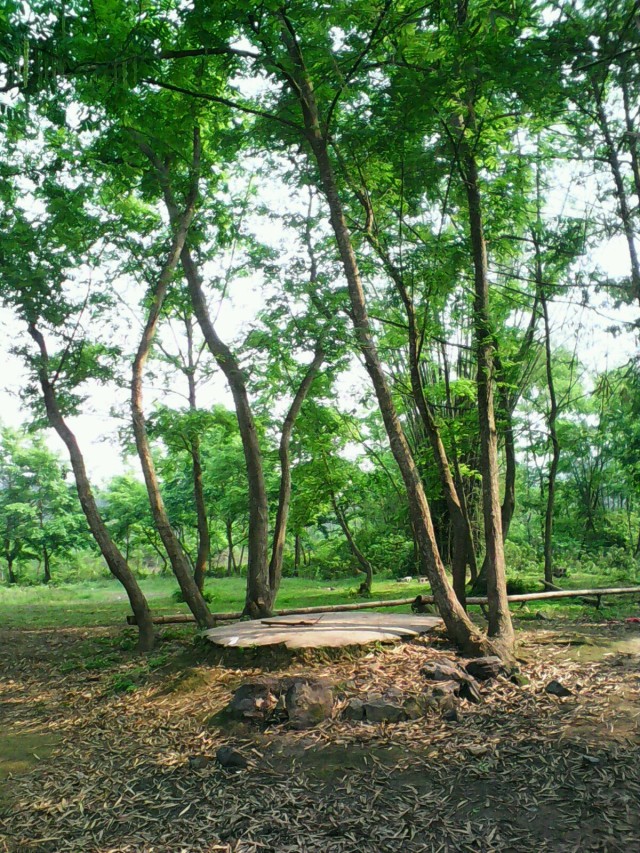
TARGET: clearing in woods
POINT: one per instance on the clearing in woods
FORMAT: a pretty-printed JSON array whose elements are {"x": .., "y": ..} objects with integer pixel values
[{"x": 96, "y": 745}]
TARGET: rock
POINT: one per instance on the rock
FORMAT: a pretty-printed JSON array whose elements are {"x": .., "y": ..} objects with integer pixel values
[
  {"x": 446, "y": 688},
  {"x": 478, "y": 750},
  {"x": 198, "y": 762},
  {"x": 253, "y": 700},
  {"x": 231, "y": 758},
  {"x": 308, "y": 702},
  {"x": 354, "y": 710},
  {"x": 418, "y": 706},
  {"x": 383, "y": 710},
  {"x": 457, "y": 681},
  {"x": 557, "y": 689},
  {"x": 519, "y": 679},
  {"x": 486, "y": 667},
  {"x": 469, "y": 690},
  {"x": 451, "y": 714},
  {"x": 445, "y": 670}
]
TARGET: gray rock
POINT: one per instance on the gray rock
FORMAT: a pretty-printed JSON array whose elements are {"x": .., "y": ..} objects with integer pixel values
[
  {"x": 384, "y": 710},
  {"x": 418, "y": 706},
  {"x": 231, "y": 758},
  {"x": 557, "y": 689},
  {"x": 308, "y": 702},
  {"x": 444, "y": 670},
  {"x": 354, "y": 710},
  {"x": 452, "y": 715},
  {"x": 446, "y": 688},
  {"x": 253, "y": 700},
  {"x": 469, "y": 691},
  {"x": 486, "y": 667},
  {"x": 449, "y": 709},
  {"x": 198, "y": 762}
]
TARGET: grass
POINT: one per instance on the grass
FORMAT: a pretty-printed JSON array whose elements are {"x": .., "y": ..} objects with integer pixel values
[{"x": 103, "y": 602}]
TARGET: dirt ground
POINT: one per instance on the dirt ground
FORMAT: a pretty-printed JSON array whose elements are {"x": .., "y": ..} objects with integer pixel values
[{"x": 95, "y": 748}]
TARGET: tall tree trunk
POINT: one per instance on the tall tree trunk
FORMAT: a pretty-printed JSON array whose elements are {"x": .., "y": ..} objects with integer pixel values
[
  {"x": 179, "y": 562},
  {"x": 509, "y": 501},
  {"x": 258, "y": 597},
  {"x": 114, "y": 559},
  {"x": 460, "y": 528},
  {"x": 365, "y": 565},
  {"x": 204, "y": 539},
  {"x": 284, "y": 495},
  {"x": 10, "y": 573},
  {"x": 46, "y": 562},
  {"x": 296, "y": 556},
  {"x": 500, "y": 625},
  {"x": 620, "y": 191},
  {"x": 555, "y": 445},
  {"x": 460, "y": 628},
  {"x": 632, "y": 129},
  {"x": 230, "y": 563},
  {"x": 470, "y": 551}
]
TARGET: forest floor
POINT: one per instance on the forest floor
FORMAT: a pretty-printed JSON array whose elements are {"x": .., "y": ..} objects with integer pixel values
[{"x": 95, "y": 746}]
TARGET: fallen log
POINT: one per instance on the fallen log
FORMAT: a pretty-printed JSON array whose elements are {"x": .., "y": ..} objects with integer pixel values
[
  {"x": 402, "y": 602},
  {"x": 594, "y": 602}
]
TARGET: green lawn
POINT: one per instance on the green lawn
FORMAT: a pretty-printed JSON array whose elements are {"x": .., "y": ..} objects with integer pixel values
[{"x": 104, "y": 602}]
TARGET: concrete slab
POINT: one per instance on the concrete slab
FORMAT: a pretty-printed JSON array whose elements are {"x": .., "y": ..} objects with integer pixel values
[{"x": 324, "y": 629}]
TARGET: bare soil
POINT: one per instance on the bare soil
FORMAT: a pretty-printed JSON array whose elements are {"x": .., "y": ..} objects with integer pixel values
[{"x": 95, "y": 747}]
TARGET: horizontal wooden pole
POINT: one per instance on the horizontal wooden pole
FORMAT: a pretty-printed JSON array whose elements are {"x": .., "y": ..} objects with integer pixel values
[{"x": 401, "y": 602}]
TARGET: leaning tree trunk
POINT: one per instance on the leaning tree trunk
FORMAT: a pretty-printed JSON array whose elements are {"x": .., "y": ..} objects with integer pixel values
[
  {"x": 284, "y": 496},
  {"x": 460, "y": 628},
  {"x": 500, "y": 625},
  {"x": 624, "y": 211},
  {"x": 204, "y": 538},
  {"x": 297, "y": 556},
  {"x": 114, "y": 559},
  {"x": 555, "y": 445},
  {"x": 462, "y": 550},
  {"x": 258, "y": 598},
  {"x": 46, "y": 561},
  {"x": 230, "y": 563},
  {"x": 179, "y": 563},
  {"x": 365, "y": 565},
  {"x": 10, "y": 573}
]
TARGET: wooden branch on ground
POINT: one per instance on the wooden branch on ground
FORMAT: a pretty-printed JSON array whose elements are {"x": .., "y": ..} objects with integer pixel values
[
  {"x": 402, "y": 602},
  {"x": 594, "y": 602}
]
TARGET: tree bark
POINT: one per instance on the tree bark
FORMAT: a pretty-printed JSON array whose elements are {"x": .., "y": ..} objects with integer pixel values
[
  {"x": 365, "y": 565},
  {"x": 258, "y": 597},
  {"x": 500, "y": 625},
  {"x": 296, "y": 556},
  {"x": 284, "y": 495},
  {"x": 555, "y": 445},
  {"x": 46, "y": 562},
  {"x": 459, "y": 626},
  {"x": 204, "y": 539},
  {"x": 632, "y": 130},
  {"x": 179, "y": 563},
  {"x": 620, "y": 192},
  {"x": 10, "y": 573},
  {"x": 114, "y": 559},
  {"x": 229, "y": 530}
]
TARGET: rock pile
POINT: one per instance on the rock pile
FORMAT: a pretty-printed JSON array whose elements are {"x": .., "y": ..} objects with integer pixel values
[{"x": 303, "y": 702}]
